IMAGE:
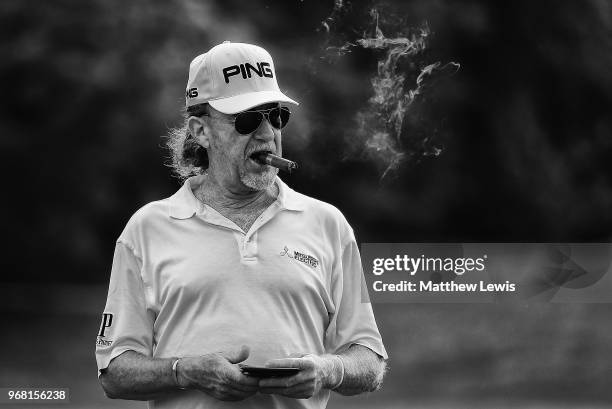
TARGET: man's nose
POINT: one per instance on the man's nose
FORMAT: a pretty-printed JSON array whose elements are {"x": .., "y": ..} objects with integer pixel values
[{"x": 265, "y": 132}]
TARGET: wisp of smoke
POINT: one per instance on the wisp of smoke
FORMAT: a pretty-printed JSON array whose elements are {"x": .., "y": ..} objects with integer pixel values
[{"x": 380, "y": 123}]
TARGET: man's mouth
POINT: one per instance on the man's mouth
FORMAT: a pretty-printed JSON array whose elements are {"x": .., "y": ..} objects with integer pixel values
[{"x": 256, "y": 156}]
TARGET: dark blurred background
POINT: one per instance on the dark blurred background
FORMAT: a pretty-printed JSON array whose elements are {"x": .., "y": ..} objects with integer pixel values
[{"x": 523, "y": 132}]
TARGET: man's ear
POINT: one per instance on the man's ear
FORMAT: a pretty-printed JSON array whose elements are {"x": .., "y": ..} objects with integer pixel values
[{"x": 200, "y": 130}]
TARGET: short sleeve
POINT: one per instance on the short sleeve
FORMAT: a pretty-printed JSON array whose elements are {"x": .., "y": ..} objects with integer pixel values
[
  {"x": 353, "y": 319},
  {"x": 126, "y": 322}
]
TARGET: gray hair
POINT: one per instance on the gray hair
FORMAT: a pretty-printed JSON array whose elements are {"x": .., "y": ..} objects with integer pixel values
[{"x": 187, "y": 157}]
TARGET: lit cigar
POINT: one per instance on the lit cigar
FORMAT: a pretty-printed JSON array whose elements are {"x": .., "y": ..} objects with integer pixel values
[{"x": 276, "y": 161}]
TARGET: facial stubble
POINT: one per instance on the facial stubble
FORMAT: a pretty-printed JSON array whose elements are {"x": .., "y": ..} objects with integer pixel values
[{"x": 258, "y": 181}]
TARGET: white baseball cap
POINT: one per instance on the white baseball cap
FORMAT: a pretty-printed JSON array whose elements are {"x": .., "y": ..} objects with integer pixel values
[{"x": 233, "y": 77}]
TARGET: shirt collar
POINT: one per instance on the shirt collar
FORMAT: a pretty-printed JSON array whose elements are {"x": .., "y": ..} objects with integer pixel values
[
  {"x": 288, "y": 198},
  {"x": 183, "y": 204}
]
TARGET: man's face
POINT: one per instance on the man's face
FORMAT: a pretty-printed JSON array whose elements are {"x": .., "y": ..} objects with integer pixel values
[{"x": 230, "y": 153}]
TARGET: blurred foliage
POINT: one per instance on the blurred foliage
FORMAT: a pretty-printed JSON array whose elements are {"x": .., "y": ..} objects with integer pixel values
[{"x": 524, "y": 127}]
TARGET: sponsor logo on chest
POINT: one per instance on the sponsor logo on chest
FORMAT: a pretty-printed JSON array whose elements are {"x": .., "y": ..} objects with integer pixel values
[{"x": 304, "y": 258}]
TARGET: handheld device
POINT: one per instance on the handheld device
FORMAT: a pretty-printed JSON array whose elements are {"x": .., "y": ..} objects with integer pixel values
[{"x": 263, "y": 372}]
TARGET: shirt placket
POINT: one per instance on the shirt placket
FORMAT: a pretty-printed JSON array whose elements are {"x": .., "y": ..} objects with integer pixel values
[
  {"x": 249, "y": 246},
  {"x": 250, "y": 240},
  {"x": 247, "y": 242}
]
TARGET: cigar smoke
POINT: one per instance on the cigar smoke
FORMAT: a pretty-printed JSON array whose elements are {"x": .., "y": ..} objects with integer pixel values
[
  {"x": 266, "y": 158},
  {"x": 399, "y": 87}
]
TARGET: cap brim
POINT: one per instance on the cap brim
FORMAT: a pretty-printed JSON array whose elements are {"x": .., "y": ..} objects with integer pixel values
[{"x": 243, "y": 102}]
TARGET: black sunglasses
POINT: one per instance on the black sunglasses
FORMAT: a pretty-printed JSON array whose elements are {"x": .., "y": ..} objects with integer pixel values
[{"x": 249, "y": 121}]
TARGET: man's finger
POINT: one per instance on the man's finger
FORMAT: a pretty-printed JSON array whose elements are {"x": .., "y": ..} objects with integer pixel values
[
  {"x": 282, "y": 382},
  {"x": 238, "y": 379},
  {"x": 301, "y": 390},
  {"x": 247, "y": 384},
  {"x": 243, "y": 391},
  {"x": 244, "y": 388},
  {"x": 229, "y": 392},
  {"x": 237, "y": 355}
]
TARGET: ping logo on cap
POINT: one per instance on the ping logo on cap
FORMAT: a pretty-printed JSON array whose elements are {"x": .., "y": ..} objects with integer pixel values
[
  {"x": 233, "y": 77},
  {"x": 263, "y": 70}
]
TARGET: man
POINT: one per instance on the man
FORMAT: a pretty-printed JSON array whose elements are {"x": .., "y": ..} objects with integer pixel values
[{"x": 236, "y": 267}]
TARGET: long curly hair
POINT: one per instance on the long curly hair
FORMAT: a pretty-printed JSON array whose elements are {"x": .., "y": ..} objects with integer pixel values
[{"x": 187, "y": 157}]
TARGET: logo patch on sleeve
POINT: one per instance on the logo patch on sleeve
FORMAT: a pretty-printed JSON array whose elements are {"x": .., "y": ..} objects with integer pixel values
[
  {"x": 107, "y": 321},
  {"x": 304, "y": 258}
]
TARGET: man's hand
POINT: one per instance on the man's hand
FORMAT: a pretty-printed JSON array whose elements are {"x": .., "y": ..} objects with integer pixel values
[
  {"x": 316, "y": 373},
  {"x": 218, "y": 375}
]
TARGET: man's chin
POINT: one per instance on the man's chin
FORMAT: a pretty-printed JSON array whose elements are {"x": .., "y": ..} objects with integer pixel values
[{"x": 259, "y": 181}]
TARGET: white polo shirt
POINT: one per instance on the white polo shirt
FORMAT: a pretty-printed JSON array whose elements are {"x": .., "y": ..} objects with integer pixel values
[{"x": 187, "y": 281}]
